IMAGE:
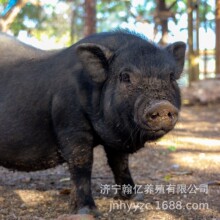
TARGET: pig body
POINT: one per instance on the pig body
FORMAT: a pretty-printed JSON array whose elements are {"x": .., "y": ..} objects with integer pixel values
[{"x": 116, "y": 89}]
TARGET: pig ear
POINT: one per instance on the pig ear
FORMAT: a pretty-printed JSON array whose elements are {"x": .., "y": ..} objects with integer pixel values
[
  {"x": 178, "y": 50},
  {"x": 95, "y": 59}
]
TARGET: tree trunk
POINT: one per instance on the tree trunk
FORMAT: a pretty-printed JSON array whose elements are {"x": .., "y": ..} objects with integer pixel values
[
  {"x": 163, "y": 20},
  {"x": 190, "y": 41},
  {"x": 193, "y": 54},
  {"x": 90, "y": 17},
  {"x": 10, "y": 16},
  {"x": 217, "y": 53}
]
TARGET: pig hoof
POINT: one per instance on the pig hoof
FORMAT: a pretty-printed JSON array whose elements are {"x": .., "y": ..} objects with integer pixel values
[
  {"x": 86, "y": 210},
  {"x": 138, "y": 197},
  {"x": 135, "y": 197},
  {"x": 124, "y": 196}
]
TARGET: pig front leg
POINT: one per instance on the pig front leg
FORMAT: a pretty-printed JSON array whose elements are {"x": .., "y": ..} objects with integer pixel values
[
  {"x": 120, "y": 168},
  {"x": 80, "y": 158},
  {"x": 75, "y": 141}
]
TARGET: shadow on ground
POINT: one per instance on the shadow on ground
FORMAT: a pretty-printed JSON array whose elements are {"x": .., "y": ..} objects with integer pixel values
[{"x": 172, "y": 175}]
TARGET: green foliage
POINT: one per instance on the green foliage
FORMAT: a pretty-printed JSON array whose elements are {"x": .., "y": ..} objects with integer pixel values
[
  {"x": 28, "y": 18},
  {"x": 2, "y": 5},
  {"x": 3, "y": 2},
  {"x": 43, "y": 19},
  {"x": 66, "y": 17},
  {"x": 110, "y": 14},
  {"x": 172, "y": 148},
  {"x": 206, "y": 12}
]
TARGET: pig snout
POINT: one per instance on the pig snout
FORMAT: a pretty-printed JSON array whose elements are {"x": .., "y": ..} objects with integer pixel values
[{"x": 161, "y": 115}]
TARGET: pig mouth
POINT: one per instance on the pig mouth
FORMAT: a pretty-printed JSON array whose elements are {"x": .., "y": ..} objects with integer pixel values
[
  {"x": 151, "y": 135},
  {"x": 138, "y": 138},
  {"x": 156, "y": 119}
]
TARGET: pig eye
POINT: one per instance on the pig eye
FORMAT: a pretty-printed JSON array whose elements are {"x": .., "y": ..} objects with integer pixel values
[
  {"x": 172, "y": 76},
  {"x": 124, "y": 77}
]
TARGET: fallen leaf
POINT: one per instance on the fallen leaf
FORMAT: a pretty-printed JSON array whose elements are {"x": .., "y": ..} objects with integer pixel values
[
  {"x": 65, "y": 179},
  {"x": 65, "y": 191},
  {"x": 214, "y": 183},
  {"x": 180, "y": 173}
]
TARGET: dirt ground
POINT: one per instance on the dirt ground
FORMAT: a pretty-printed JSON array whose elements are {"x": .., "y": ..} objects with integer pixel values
[{"x": 177, "y": 177}]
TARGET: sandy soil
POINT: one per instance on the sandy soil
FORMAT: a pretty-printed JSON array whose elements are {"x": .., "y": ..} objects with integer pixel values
[{"x": 177, "y": 177}]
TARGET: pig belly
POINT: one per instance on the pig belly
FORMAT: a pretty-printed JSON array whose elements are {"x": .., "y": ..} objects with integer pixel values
[{"x": 23, "y": 157}]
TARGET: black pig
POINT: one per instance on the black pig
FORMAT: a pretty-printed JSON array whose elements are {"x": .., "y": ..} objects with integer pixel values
[{"x": 116, "y": 89}]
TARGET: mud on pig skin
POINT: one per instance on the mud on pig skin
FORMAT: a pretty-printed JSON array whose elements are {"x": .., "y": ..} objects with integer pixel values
[{"x": 116, "y": 89}]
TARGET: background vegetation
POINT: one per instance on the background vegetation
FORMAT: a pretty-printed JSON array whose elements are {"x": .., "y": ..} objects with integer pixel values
[{"x": 66, "y": 21}]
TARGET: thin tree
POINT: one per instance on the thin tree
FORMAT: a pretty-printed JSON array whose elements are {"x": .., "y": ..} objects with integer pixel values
[
  {"x": 162, "y": 13},
  {"x": 217, "y": 53},
  {"x": 90, "y": 17},
  {"x": 193, "y": 50}
]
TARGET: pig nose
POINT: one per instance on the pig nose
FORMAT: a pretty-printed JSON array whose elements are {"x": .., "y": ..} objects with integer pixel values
[{"x": 162, "y": 115}]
